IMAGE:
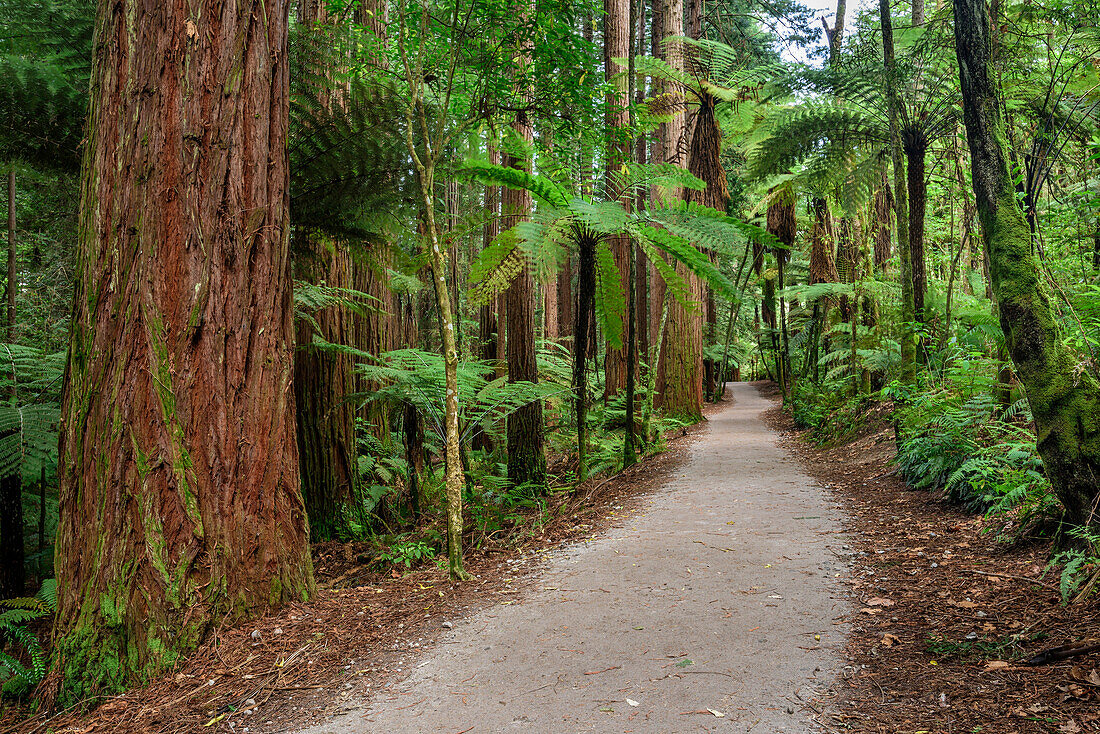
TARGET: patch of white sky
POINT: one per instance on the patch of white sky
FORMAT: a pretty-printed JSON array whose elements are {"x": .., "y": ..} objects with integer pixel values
[{"x": 825, "y": 9}]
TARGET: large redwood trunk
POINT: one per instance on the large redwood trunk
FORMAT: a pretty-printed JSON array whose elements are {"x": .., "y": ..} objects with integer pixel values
[
  {"x": 680, "y": 360},
  {"x": 680, "y": 367},
  {"x": 526, "y": 458},
  {"x": 180, "y": 505},
  {"x": 617, "y": 45},
  {"x": 323, "y": 380},
  {"x": 374, "y": 330}
]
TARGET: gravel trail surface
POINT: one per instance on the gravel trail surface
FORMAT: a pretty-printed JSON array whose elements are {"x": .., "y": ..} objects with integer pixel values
[{"x": 712, "y": 607}]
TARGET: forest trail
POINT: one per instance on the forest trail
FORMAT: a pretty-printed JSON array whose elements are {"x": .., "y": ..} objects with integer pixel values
[{"x": 698, "y": 613}]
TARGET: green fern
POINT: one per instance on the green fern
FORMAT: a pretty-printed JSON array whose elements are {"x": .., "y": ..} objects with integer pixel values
[{"x": 20, "y": 678}]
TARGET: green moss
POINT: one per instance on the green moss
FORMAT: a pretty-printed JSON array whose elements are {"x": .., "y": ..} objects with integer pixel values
[
  {"x": 275, "y": 593},
  {"x": 91, "y": 663}
]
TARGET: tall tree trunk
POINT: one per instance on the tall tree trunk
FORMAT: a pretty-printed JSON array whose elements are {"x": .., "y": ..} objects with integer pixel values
[
  {"x": 1065, "y": 401},
  {"x": 526, "y": 456},
  {"x": 12, "y": 285},
  {"x": 680, "y": 361},
  {"x": 616, "y": 33},
  {"x": 180, "y": 505},
  {"x": 323, "y": 379},
  {"x": 915, "y": 152},
  {"x": 586, "y": 292},
  {"x": 901, "y": 204}
]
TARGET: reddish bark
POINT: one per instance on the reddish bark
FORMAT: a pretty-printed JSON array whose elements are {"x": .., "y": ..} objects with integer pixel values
[
  {"x": 526, "y": 459},
  {"x": 179, "y": 497}
]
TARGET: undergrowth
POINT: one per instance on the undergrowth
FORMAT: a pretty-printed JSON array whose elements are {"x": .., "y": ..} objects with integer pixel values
[{"x": 965, "y": 436}]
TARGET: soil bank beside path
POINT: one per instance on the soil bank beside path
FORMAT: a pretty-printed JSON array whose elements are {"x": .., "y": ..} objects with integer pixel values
[{"x": 713, "y": 607}]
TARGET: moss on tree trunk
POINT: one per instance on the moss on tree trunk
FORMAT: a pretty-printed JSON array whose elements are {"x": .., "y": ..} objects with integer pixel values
[
  {"x": 1064, "y": 396},
  {"x": 180, "y": 504}
]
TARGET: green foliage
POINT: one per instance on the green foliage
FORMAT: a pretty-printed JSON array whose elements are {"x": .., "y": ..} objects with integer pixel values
[
  {"x": 408, "y": 553},
  {"x": 1080, "y": 565},
  {"x": 44, "y": 79},
  {"x": 29, "y": 419},
  {"x": 26, "y": 663},
  {"x": 417, "y": 377},
  {"x": 827, "y": 410}
]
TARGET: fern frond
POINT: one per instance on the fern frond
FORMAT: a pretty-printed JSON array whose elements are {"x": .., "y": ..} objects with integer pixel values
[
  {"x": 541, "y": 188},
  {"x": 495, "y": 268},
  {"x": 610, "y": 299}
]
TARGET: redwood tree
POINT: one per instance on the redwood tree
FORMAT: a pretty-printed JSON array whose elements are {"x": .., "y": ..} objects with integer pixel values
[
  {"x": 526, "y": 456},
  {"x": 179, "y": 497}
]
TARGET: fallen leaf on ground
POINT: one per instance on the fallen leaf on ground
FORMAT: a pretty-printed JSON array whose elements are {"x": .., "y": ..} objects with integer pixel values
[
  {"x": 890, "y": 640},
  {"x": 1091, "y": 677},
  {"x": 878, "y": 601},
  {"x": 998, "y": 665}
]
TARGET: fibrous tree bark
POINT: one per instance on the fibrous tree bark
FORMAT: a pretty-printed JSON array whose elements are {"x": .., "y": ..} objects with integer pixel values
[
  {"x": 1064, "y": 400},
  {"x": 616, "y": 36},
  {"x": 679, "y": 376},
  {"x": 526, "y": 455},
  {"x": 324, "y": 378},
  {"x": 901, "y": 203},
  {"x": 323, "y": 381},
  {"x": 180, "y": 504}
]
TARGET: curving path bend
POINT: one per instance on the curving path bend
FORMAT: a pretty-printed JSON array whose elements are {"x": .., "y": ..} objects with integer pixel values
[{"x": 712, "y": 608}]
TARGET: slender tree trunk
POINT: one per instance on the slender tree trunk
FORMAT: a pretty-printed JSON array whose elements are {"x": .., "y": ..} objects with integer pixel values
[
  {"x": 586, "y": 291},
  {"x": 454, "y": 482},
  {"x": 179, "y": 379},
  {"x": 1064, "y": 400},
  {"x": 414, "y": 457},
  {"x": 901, "y": 204},
  {"x": 915, "y": 153}
]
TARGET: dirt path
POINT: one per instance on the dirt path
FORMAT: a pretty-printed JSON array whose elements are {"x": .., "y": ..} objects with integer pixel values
[{"x": 712, "y": 608}]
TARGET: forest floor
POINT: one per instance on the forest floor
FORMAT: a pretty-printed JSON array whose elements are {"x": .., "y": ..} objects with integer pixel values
[
  {"x": 743, "y": 560},
  {"x": 285, "y": 671},
  {"x": 945, "y": 615}
]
